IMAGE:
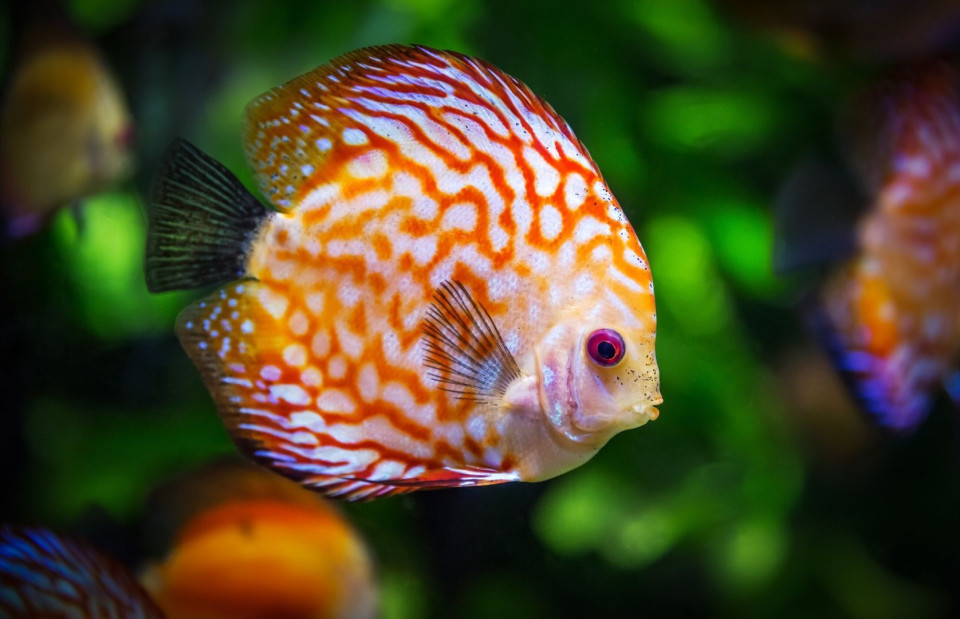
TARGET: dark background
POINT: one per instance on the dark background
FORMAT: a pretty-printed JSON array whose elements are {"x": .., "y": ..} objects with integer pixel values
[{"x": 760, "y": 491}]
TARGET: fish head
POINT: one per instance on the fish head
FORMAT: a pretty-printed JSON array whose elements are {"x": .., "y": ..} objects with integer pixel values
[{"x": 598, "y": 377}]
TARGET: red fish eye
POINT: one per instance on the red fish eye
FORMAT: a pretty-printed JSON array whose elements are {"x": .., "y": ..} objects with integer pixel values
[{"x": 605, "y": 347}]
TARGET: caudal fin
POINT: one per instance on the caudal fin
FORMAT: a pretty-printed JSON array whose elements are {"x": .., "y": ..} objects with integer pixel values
[{"x": 202, "y": 221}]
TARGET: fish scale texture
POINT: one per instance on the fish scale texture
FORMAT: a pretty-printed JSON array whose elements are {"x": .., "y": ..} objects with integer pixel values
[{"x": 394, "y": 170}]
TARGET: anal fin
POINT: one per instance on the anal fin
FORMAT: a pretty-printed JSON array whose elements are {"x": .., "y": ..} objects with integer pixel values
[
  {"x": 355, "y": 489},
  {"x": 886, "y": 394},
  {"x": 226, "y": 334}
]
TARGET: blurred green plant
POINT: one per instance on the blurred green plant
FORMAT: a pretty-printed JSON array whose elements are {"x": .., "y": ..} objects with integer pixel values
[
  {"x": 112, "y": 458},
  {"x": 681, "y": 35},
  {"x": 401, "y": 594},
  {"x": 728, "y": 122},
  {"x": 104, "y": 262},
  {"x": 99, "y": 15}
]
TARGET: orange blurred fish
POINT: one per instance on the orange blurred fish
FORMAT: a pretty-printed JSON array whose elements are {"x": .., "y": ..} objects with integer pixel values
[
  {"x": 244, "y": 543},
  {"x": 43, "y": 574},
  {"x": 891, "y": 313},
  {"x": 65, "y": 131},
  {"x": 449, "y": 294}
]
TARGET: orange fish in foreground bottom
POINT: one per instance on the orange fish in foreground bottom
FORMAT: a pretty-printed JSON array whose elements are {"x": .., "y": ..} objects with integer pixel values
[
  {"x": 891, "y": 314},
  {"x": 449, "y": 294},
  {"x": 245, "y": 543}
]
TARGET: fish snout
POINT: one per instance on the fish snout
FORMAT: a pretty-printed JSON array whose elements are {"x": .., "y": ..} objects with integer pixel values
[{"x": 647, "y": 411}]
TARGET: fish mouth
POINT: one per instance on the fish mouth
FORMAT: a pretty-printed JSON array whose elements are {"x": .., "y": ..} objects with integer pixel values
[{"x": 647, "y": 412}]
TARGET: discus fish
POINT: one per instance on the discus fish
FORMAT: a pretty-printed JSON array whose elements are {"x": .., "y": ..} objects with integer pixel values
[
  {"x": 891, "y": 312},
  {"x": 245, "y": 543},
  {"x": 45, "y": 575},
  {"x": 65, "y": 131},
  {"x": 448, "y": 295}
]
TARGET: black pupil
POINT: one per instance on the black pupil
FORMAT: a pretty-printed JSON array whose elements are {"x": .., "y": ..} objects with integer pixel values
[{"x": 606, "y": 350}]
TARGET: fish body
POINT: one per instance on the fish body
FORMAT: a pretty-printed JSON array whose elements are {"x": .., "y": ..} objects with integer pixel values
[
  {"x": 891, "y": 312},
  {"x": 245, "y": 543},
  {"x": 43, "y": 574},
  {"x": 65, "y": 130},
  {"x": 447, "y": 295}
]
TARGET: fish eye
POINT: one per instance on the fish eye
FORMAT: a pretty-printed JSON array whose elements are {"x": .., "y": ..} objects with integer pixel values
[{"x": 605, "y": 347}]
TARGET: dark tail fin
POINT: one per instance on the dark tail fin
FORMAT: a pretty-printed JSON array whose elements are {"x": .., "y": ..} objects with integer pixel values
[{"x": 201, "y": 222}]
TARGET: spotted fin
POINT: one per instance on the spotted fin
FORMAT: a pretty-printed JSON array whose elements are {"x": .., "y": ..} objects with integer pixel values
[
  {"x": 45, "y": 575},
  {"x": 297, "y": 135},
  {"x": 202, "y": 222}
]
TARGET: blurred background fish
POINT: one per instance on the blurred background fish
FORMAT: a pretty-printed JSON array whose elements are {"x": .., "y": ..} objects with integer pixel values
[
  {"x": 239, "y": 542},
  {"x": 864, "y": 30},
  {"x": 890, "y": 314},
  {"x": 65, "y": 130},
  {"x": 43, "y": 574}
]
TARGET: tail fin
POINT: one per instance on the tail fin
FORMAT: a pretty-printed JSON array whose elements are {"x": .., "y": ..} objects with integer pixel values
[{"x": 202, "y": 221}]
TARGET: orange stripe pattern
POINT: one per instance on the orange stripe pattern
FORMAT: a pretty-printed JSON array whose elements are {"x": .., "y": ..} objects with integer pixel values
[{"x": 396, "y": 169}]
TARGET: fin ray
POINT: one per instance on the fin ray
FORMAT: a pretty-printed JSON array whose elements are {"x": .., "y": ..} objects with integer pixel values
[
  {"x": 357, "y": 489},
  {"x": 465, "y": 353},
  {"x": 201, "y": 222}
]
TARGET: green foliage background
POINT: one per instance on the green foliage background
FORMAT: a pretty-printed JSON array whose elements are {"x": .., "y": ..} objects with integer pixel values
[{"x": 759, "y": 491}]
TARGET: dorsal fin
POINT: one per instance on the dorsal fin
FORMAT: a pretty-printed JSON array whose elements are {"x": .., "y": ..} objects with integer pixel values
[
  {"x": 908, "y": 118},
  {"x": 293, "y": 132}
]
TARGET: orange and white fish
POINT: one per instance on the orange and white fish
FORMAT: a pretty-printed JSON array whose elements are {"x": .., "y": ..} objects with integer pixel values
[
  {"x": 448, "y": 295},
  {"x": 43, "y": 574},
  {"x": 891, "y": 312},
  {"x": 65, "y": 130},
  {"x": 244, "y": 543}
]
